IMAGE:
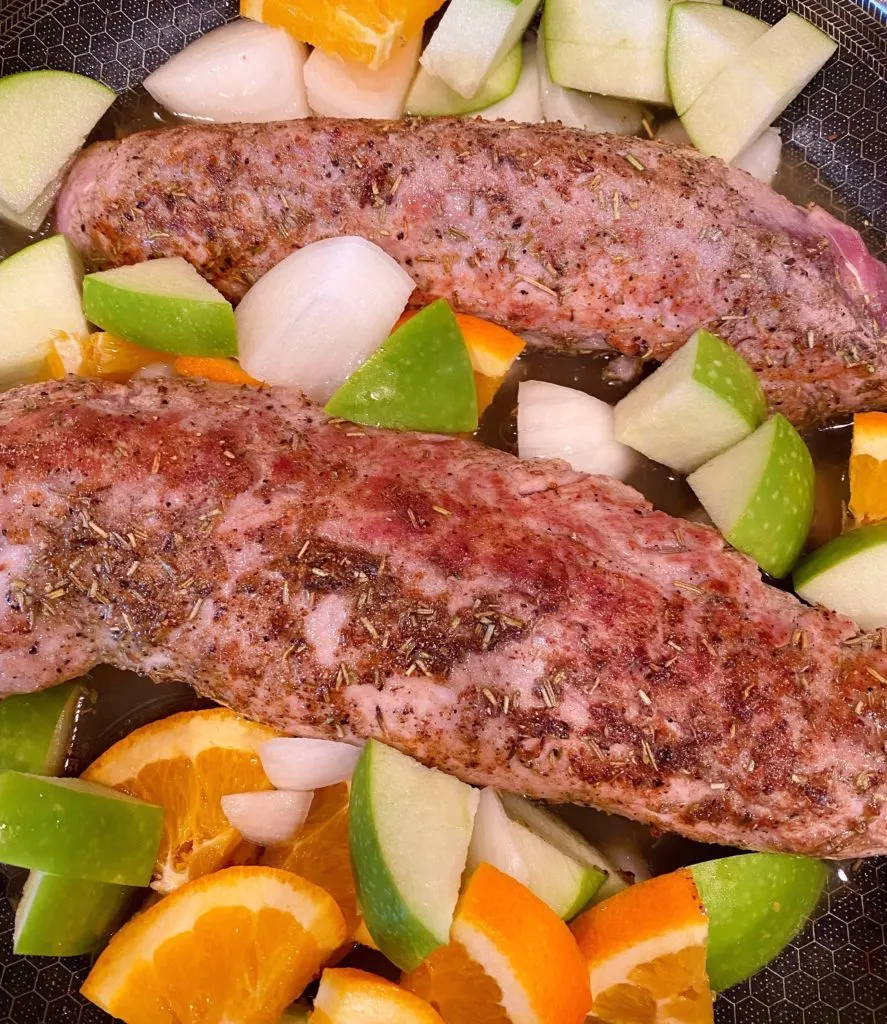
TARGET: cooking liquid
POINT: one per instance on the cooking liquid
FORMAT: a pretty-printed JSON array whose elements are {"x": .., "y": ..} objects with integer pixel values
[{"x": 121, "y": 701}]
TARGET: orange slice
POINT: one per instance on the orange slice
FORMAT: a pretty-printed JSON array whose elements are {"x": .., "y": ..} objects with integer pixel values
[
  {"x": 646, "y": 949},
  {"x": 868, "y": 467},
  {"x": 361, "y": 30},
  {"x": 320, "y": 851},
  {"x": 224, "y": 371},
  {"x": 98, "y": 355},
  {"x": 239, "y": 945},
  {"x": 186, "y": 764},
  {"x": 511, "y": 960},
  {"x": 347, "y": 996}
]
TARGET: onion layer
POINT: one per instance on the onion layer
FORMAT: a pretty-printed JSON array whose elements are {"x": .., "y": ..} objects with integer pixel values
[
  {"x": 344, "y": 88},
  {"x": 492, "y": 840},
  {"x": 557, "y": 422},
  {"x": 321, "y": 313},
  {"x": 243, "y": 71},
  {"x": 267, "y": 818},
  {"x": 306, "y": 764}
]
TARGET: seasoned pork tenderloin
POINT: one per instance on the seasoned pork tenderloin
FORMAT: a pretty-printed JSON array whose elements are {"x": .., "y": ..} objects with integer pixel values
[
  {"x": 516, "y": 624},
  {"x": 584, "y": 241}
]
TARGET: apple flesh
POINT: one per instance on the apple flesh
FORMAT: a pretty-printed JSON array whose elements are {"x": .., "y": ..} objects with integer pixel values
[
  {"x": 46, "y": 116},
  {"x": 39, "y": 296},
  {"x": 419, "y": 379},
  {"x": 162, "y": 304},
  {"x": 77, "y": 829},
  {"x": 703, "y": 39},
  {"x": 847, "y": 575},
  {"x": 36, "y": 729},
  {"x": 524, "y": 105},
  {"x": 67, "y": 916},
  {"x": 756, "y": 904},
  {"x": 699, "y": 402},
  {"x": 409, "y": 828},
  {"x": 608, "y": 47},
  {"x": 472, "y": 38},
  {"x": 754, "y": 89},
  {"x": 759, "y": 494},
  {"x": 430, "y": 96}
]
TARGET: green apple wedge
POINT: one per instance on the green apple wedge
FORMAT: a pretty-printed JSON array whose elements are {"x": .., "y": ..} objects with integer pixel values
[
  {"x": 759, "y": 494},
  {"x": 39, "y": 296},
  {"x": 46, "y": 116},
  {"x": 609, "y": 47},
  {"x": 753, "y": 90},
  {"x": 162, "y": 304},
  {"x": 59, "y": 916},
  {"x": 847, "y": 575},
  {"x": 36, "y": 729},
  {"x": 419, "y": 379},
  {"x": 699, "y": 402},
  {"x": 756, "y": 904},
  {"x": 409, "y": 828},
  {"x": 77, "y": 829},
  {"x": 472, "y": 38},
  {"x": 703, "y": 39},
  {"x": 430, "y": 96}
]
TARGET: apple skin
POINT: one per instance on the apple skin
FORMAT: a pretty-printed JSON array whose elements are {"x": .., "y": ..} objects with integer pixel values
[
  {"x": 421, "y": 378},
  {"x": 77, "y": 829},
  {"x": 189, "y": 324},
  {"x": 67, "y": 916},
  {"x": 756, "y": 904},
  {"x": 35, "y": 729}
]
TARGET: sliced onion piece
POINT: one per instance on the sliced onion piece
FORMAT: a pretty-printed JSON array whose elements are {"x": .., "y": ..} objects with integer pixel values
[
  {"x": 344, "y": 88},
  {"x": 241, "y": 72},
  {"x": 321, "y": 313},
  {"x": 267, "y": 818},
  {"x": 554, "y": 422},
  {"x": 305, "y": 764},
  {"x": 492, "y": 841}
]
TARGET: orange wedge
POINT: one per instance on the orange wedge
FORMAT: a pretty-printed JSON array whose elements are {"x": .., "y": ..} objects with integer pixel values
[
  {"x": 510, "y": 959},
  {"x": 868, "y": 467},
  {"x": 347, "y": 996},
  {"x": 239, "y": 945},
  {"x": 186, "y": 764},
  {"x": 98, "y": 355},
  {"x": 646, "y": 949},
  {"x": 362, "y": 30},
  {"x": 224, "y": 371},
  {"x": 320, "y": 851}
]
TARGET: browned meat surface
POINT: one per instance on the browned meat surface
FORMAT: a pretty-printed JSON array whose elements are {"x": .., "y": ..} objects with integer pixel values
[
  {"x": 513, "y": 623},
  {"x": 586, "y": 241}
]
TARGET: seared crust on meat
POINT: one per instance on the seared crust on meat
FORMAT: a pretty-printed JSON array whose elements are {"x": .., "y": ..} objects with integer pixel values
[
  {"x": 546, "y": 229},
  {"x": 517, "y": 624}
]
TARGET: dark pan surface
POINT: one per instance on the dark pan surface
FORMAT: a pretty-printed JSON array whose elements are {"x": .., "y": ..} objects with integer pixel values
[{"x": 836, "y": 155}]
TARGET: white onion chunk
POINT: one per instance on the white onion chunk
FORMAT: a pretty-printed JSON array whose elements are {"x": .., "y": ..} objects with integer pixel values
[
  {"x": 267, "y": 818},
  {"x": 307, "y": 764},
  {"x": 492, "y": 840}
]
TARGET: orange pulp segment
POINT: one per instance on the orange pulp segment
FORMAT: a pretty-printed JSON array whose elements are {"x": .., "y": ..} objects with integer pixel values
[
  {"x": 362, "y": 30},
  {"x": 98, "y": 355},
  {"x": 348, "y": 996},
  {"x": 646, "y": 948},
  {"x": 510, "y": 958},
  {"x": 239, "y": 945},
  {"x": 221, "y": 370},
  {"x": 186, "y": 764},
  {"x": 868, "y": 467},
  {"x": 320, "y": 852}
]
